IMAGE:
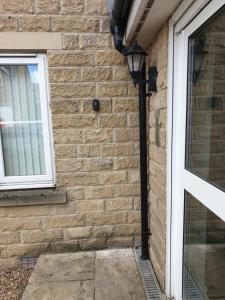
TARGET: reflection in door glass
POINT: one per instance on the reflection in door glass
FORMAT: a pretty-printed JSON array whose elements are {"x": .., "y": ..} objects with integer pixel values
[
  {"x": 205, "y": 144},
  {"x": 204, "y": 252}
]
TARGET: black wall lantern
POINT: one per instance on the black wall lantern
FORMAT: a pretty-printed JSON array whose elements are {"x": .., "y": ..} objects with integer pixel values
[{"x": 136, "y": 59}]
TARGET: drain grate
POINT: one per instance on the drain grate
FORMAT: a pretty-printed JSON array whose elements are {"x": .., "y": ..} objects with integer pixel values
[
  {"x": 27, "y": 262},
  {"x": 148, "y": 277}
]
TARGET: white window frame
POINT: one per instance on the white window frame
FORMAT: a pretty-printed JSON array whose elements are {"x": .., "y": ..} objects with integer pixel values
[
  {"x": 177, "y": 179},
  {"x": 33, "y": 181}
]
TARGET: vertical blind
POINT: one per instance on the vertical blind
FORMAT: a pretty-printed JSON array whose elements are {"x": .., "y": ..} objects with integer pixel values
[{"x": 21, "y": 121}]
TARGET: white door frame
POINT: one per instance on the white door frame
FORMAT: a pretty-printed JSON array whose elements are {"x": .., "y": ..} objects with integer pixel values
[{"x": 176, "y": 178}]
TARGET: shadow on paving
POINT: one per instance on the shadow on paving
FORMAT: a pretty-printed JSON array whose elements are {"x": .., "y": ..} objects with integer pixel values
[{"x": 100, "y": 275}]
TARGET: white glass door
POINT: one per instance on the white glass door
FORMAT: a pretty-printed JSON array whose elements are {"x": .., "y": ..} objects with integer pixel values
[{"x": 198, "y": 183}]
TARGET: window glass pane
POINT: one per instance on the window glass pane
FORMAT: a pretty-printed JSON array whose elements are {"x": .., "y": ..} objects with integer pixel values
[
  {"x": 21, "y": 121},
  {"x": 23, "y": 149},
  {"x": 204, "y": 252},
  {"x": 205, "y": 145},
  {"x": 19, "y": 93}
]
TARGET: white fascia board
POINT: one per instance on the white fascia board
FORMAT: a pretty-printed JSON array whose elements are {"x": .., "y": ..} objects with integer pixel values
[
  {"x": 159, "y": 13},
  {"x": 136, "y": 12}
]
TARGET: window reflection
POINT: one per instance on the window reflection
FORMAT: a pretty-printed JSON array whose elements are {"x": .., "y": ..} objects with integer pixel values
[
  {"x": 205, "y": 145},
  {"x": 204, "y": 252}
]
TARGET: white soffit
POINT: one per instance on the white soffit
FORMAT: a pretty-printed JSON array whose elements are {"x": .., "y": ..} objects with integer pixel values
[
  {"x": 136, "y": 12},
  {"x": 158, "y": 14}
]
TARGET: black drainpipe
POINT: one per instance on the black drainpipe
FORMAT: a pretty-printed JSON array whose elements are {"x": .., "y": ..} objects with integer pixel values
[{"x": 119, "y": 12}]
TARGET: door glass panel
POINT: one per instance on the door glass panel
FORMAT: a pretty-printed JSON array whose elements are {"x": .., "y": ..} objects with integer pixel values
[
  {"x": 204, "y": 252},
  {"x": 205, "y": 132}
]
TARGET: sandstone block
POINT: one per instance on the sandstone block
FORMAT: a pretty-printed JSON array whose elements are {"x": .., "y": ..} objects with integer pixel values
[
  {"x": 124, "y": 163},
  {"x": 2, "y": 252},
  {"x": 127, "y": 190},
  {"x": 70, "y": 58},
  {"x": 72, "y": 90},
  {"x": 75, "y": 24},
  {"x": 137, "y": 203},
  {"x": 34, "y": 23},
  {"x": 134, "y": 216},
  {"x": 78, "y": 233},
  {"x": 107, "y": 218},
  {"x": 65, "y": 151},
  {"x": 17, "y": 6},
  {"x": 87, "y": 206},
  {"x": 26, "y": 249},
  {"x": 37, "y": 236},
  {"x": 9, "y": 238},
  {"x": 92, "y": 244},
  {"x": 9, "y": 263},
  {"x": 75, "y": 193},
  {"x": 68, "y": 106},
  {"x": 121, "y": 73},
  {"x": 98, "y": 164},
  {"x": 70, "y": 165},
  {"x": 122, "y": 149},
  {"x": 118, "y": 204},
  {"x": 132, "y": 91},
  {"x": 71, "y": 41},
  {"x": 112, "y": 120},
  {"x": 95, "y": 41},
  {"x": 64, "y": 221},
  {"x": 78, "y": 179},
  {"x": 98, "y": 135},
  {"x": 72, "y": 7},
  {"x": 125, "y": 105},
  {"x": 65, "y": 209},
  {"x": 16, "y": 224},
  {"x": 103, "y": 231},
  {"x": 109, "y": 58},
  {"x": 31, "y": 210},
  {"x": 133, "y": 120},
  {"x": 99, "y": 192},
  {"x": 128, "y": 229},
  {"x": 95, "y": 7},
  {"x": 64, "y": 75},
  {"x": 134, "y": 176},
  {"x": 113, "y": 177},
  {"x": 112, "y": 89},
  {"x": 126, "y": 135},
  {"x": 104, "y": 27},
  {"x": 47, "y": 6},
  {"x": 88, "y": 150},
  {"x": 64, "y": 246},
  {"x": 96, "y": 73},
  {"x": 8, "y": 23},
  {"x": 68, "y": 136},
  {"x": 74, "y": 121},
  {"x": 3, "y": 212},
  {"x": 120, "y": 242}
]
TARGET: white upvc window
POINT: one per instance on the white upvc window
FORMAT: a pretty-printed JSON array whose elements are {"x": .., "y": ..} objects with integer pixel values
[{"x": 26, "y": 159}]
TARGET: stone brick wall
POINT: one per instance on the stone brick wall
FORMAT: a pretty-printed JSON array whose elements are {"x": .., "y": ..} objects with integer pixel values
[
  {"x": 157, "y": 118},
  {"x": 96, "y": 154}
]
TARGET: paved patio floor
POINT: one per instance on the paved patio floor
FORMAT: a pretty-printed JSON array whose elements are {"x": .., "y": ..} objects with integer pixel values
[{"x": 99, "y": 275}]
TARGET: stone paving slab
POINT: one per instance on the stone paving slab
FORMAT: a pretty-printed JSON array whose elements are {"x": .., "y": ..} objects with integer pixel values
[
  {"x": 117, "y": 277},
  {"x": 73, "y": 290},
  {"x": 100, "y": 275},
  {"x": 64, "y": 267}
]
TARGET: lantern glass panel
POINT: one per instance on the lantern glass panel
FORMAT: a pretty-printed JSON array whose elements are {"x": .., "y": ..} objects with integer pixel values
[
  {"x": 137, "y": 62},
  {"x": 130, "y": 62}
]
